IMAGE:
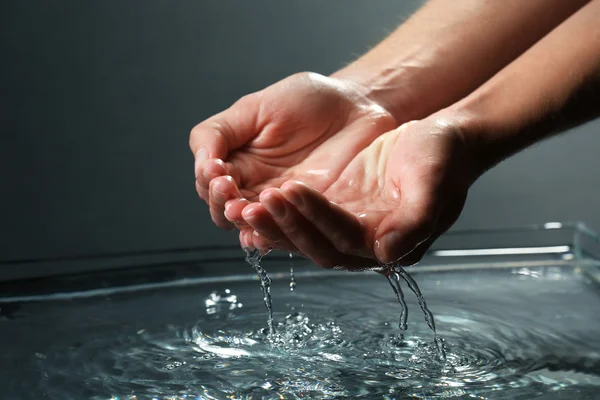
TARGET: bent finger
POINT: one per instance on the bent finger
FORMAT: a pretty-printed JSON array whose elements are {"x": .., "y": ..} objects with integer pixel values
[
  {"x": 340, "y": 227},
  {"x": 221, "y": 190},
  {"x": 305, "y": 236},
  {"x": 262, "y": 222}
]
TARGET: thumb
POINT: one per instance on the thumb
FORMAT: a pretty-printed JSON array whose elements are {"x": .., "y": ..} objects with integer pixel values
[
  {"x": 411, "y": 224},
  {"x": 227, "y": 131}
]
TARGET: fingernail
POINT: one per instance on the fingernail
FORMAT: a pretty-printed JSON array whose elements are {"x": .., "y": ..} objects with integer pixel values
[
  {"x": 275, "y": 207},
  {"x": 201, "y": 155}
]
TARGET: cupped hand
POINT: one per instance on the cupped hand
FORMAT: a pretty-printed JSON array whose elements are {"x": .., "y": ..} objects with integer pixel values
[
  {"x": 306, "y": 127},
  {"x": 388, "y": 204}
]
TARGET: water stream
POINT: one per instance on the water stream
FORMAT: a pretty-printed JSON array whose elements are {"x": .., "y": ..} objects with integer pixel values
[
  {"x": 253, "y": 258},
  {"x": 292, "y": 278}
]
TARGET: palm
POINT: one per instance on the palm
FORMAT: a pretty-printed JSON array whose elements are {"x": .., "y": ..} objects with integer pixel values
[
  {"x": 367, "y": 187},
  {"x": 311, "y": 127}
]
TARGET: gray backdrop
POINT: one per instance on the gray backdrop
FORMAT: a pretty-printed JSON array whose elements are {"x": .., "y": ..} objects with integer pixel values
[{"x": 98, "y": 98}]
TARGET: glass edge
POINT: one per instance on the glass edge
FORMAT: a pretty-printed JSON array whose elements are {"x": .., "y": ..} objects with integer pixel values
[{"x": 584, "y": 244}]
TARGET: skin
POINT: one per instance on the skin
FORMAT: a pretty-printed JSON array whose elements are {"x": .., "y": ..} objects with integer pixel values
[{"x": 314, "y": 165}]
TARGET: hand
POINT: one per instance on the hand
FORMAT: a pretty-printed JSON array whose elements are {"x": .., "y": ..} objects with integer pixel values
[
  {"x": 389, "y": 203},
  {"x": 306, "y": 127}
]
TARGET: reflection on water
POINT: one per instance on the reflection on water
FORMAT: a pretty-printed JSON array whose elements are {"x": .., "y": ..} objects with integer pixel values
[{"x": 508, "y": 337}]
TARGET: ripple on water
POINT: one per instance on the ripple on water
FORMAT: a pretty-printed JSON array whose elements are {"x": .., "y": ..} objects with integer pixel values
[
  {"x": 323, "y": 348},
  {"x": 319, "y": 354}
]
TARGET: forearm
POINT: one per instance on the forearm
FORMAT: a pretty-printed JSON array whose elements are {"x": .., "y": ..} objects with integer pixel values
[
  {"x": 448, "y": 48},
  {"x": 553, "y": 86}
]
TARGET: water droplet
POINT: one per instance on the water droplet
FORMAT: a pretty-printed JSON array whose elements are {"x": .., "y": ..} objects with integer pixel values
[
  {"x": 292, "y": 280},
  {"x": 218, "y": 301}
]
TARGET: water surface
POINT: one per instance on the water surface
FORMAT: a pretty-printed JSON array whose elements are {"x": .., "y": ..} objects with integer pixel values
[{"x": 508, "y": 334}]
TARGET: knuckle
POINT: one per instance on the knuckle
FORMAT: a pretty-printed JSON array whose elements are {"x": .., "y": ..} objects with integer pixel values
[{"x": 245, "y": 101}]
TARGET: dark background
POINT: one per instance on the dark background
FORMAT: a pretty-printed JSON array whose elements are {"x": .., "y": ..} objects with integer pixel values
[{"x": 98, "y": 98}]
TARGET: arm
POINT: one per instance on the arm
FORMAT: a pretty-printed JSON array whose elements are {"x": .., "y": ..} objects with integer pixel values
[
  {"x": 447, "y": 49},
  {"x": 553, "y": 86}
]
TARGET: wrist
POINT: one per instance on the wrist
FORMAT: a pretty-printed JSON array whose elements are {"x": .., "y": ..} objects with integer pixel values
[
  {"x": 387, "y": 87},
  {"x": 492, "y": 132},
  {"x": 478, "y": 138}
]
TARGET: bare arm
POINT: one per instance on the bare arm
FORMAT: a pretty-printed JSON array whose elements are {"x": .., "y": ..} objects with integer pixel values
[
  {"x": 449, "y": 48},
  {"x": 553, "y": 86}
]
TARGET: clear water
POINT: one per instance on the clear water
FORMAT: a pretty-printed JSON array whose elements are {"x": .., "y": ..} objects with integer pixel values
[
  {"x": 292, "y": 277},
  {"x": 253, "y": 258},
  {"x": 394, "y": 280},
  {"x": 508, "y": 335}
]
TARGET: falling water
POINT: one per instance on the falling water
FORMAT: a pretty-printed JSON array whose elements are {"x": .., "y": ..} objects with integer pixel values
[
  {"x": 292, "y": 279},
  {"x": 394, "y": 280},
  {"x": 253, "y": 258},
  {"x": 412, "y": 284}
]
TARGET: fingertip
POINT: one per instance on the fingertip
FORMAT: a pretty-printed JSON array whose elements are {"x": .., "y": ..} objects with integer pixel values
[
  {"x": 388, "y": 247},
  {"x": 394, "y": 247},
  {"x": 224, "y": 188},
  {"x": 222, "y": 183},
  {"x": 260, "y": 242},
  {"x": 294, "y": 192},
  {"x": 379, "y": 252},
  {"x": 210, "y": 169},
  {"x": 275, "y": 203},
  {"x": 250, "y": 210},
  {"x": 223, "y": 223},
  {"x": 241, "y": 240},
  {"x": 293, "y": 185},
  {"x": 200, "y": 156},
  {"x": 234, "y": 208},
  {"x": 202, "y": 192},
  {"x": 246, "y": 239},
  {"x": 268, "y": 194}
]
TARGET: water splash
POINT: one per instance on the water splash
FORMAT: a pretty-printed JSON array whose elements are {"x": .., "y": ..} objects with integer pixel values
[
  {"x": 217, "y": 301},
  {"x": 253, "y": 258}
]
